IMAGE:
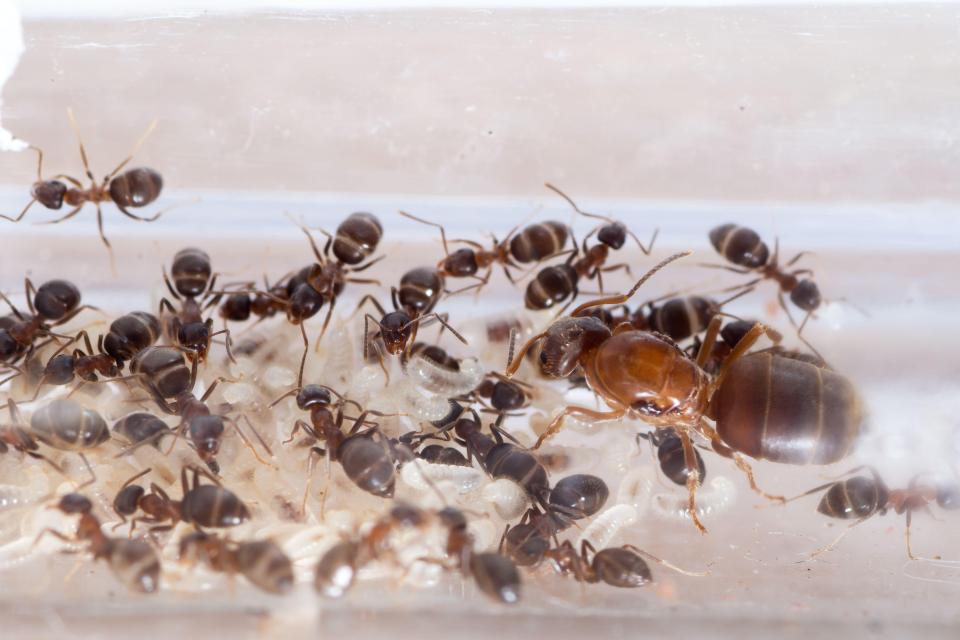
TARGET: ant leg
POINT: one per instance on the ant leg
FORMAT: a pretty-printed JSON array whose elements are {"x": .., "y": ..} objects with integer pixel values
[
  {"x": 907, "y": 536},
  {"x": 226, "y": 332},
  {"x": 369, "y": 298},
  {"x": 326, "y": 322},
  {"x": 725, "y": 267},
  {"x": 55, "y": 534},
  {"x": 83, "y": 151},
  {"x": 173, "y": 292},
  {"x": 64, "y": 218},
  {"x": 260, "y": 439},
  {"x": 748, "y": 340},
  {"x": 442, "y": 320},
  {"x": 557, "y": 421},
  {"x": 133, "y": 152},
  {"x": 693, "y": 478},
  {"x": 37, "y": 456},
  {"x": 620, "y": 299},
  {"x": 836, "y": 541},
  {"x": 744, "y": 466},
  {"x": 649, "y": 248},
  {"x": 103, "y": 236},
  {"x": 300, "y": 424},
  {"x": 514, "y": 366},
  {"x": 303, "y": 358},
  {"x": 364, "y": 267},
  {"x": 19, "y": 217},
  {"x": 709, "y": 340},
  {"x": 695, "y": 574},
  {"x": 313, "y": 245},
  {"x": 132, "y": 478},
  {"x": 213, "y": 385},
  {"x": 93, "y": 476},
  {"x": 443, "y": 233},
  {"x": 804, "y": 340},
  {"x": 247, "y": 443}
]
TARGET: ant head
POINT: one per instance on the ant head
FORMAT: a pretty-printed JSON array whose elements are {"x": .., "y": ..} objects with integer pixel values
[
  {"x": 194, "y": 335},
  {"x": 75, "y": 503},
  {"x": 49, "y": 193},
  {"x": 614, "y": 235},
  {"x": 313, "y": 395},
  {"x": 461, "y": 263},
  {"x": 56, "y": 298},
  {"x": 566, "y": 340},
  {"x": 396, "y": 329},
  {"x": 8, "y": 346},
  {"x": 60, "y": 369},
  {"x": 806, "y": 295},
  {"x": 733, "y": 332},
  {"x": 191, "y": 271},
  {"x": 305, "y": 302}
]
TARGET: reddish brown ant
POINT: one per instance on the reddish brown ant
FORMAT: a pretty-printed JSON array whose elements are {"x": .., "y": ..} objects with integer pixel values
[{"x": 646, "y": 375}]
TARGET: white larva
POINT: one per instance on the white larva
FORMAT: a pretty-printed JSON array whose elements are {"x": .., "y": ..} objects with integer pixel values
[
  {"x": 715, "y": 497},
  {"x": 418, "y": 475},
  {"x": 445, "y": 382},
  {"x": 507, "y": 498},
  {"x": 607, "y": 525},
  {"x": 635, "y": 488}
]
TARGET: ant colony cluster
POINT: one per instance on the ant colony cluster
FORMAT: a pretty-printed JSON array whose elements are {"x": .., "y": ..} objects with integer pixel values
[{"x": 232, "y": 431}]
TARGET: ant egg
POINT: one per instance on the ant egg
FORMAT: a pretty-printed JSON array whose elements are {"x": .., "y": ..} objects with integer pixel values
[{"x": 508, "y": 498}]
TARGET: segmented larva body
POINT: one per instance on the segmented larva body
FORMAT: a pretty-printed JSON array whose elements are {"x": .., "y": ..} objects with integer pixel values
[
  {"x": 608, "y": 524},
  {"x": 714, "y": 497},
  {"x": 418, "y": 474},
  {"x": 508, "y": 499},
  {"x": 443, "y": 381}
]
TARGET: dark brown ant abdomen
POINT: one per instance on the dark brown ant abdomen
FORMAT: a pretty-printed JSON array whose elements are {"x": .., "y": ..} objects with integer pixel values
[
  {"x": 264, "y": 563},
  {"x": 369, "y": 465},
  {"x": 142, "y": 427},
  {"x": 681, "y": 318},
  {"x": 212, "y": 506},
  {"x": 621, "y": 567},
  {"x": 136, "y": 187},
  {"x": 551, "y": 286},
  {"x": 778, "y": 408},
  {"x": 539, "y": 241},
  {"x": 420, "y": 290},
  {"x": 357, "y": 237},
  {"x": 854, "y": 498},
  {"x": 135, "y": 564},
  {"x": 496, "y": 576},
  {"x": 56, "y": 298},
  {"x": 672, "y": 462},
  {"x": 740, "y": 245},
  {"x": 506, "y": 460},
  {"x": 164, "y": 368},
  {"x": 131, "y": 334},
  {"x": 579, "y": 496},
  {"x": 68, "y": 426},
  {"x": 191, "y": 272}
]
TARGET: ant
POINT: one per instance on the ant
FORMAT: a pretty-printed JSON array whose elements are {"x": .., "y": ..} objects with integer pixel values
[
  {"x": 534, "y": 243},
  {"x": 134, "y": 562},
  {"x": 262, "y": 562},
  {"x": 20, "y": 439},
  {"x": 555, "y": 284},
  {"x": 640, "y": 373},
  {"x": 204, "y": 428},
  {"x": 413, "y": 304},
  {"x": 131, "y": 189},
  {"x": 573, "y": 498},
  {"x": 68, "y": 426},
  {"x": 616, "y": 566},
  {"x": 54, "y": 303},
  {"x": 743, "y": 247},
  {"x": 861, "y": 497},
  {"x": 668, "y": 446},
  {"x": 193, "y": 284},
  {"x": 203, "y": 505},
  {"x": 62, "y": 368},
  {"x": 369, "y": 463}
]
